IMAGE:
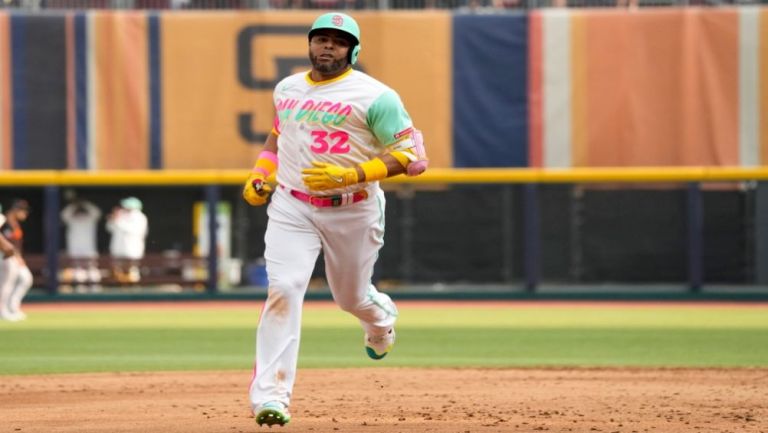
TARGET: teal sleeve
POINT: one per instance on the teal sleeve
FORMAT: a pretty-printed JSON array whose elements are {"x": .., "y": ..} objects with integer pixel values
[{"x": 388, "y": 119}]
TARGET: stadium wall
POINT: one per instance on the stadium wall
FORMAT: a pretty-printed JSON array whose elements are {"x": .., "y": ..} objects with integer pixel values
[{"x": 132, "y": 90}]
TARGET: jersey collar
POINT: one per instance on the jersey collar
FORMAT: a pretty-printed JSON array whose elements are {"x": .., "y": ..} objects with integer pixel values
[{"x": 332, "y": 80}]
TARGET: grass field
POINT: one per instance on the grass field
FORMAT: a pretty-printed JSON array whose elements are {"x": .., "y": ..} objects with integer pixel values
[{"x": 221, "y": 337}]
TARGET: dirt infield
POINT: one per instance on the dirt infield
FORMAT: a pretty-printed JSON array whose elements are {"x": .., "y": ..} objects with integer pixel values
[{"x": 398, "y": 400}]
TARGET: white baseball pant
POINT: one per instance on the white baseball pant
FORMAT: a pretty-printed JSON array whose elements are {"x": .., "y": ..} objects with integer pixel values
[
  {"x": 350, "y": 237},
  {"x": 15, "y": 282}
]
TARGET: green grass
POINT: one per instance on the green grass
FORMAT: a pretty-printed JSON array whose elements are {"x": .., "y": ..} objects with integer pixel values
[{"x": 223, "y": 338}]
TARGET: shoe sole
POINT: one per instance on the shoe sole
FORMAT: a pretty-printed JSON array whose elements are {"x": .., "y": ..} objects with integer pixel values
[{"x": 271, "y": 417}]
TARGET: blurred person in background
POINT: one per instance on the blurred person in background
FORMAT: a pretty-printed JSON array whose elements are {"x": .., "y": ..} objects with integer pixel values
[
  {"x": 128, "y": 226},
  {"x": 6, "y": 247},
  {"x": 81, "y": 218},
  {"x": 15, "y": 276}
]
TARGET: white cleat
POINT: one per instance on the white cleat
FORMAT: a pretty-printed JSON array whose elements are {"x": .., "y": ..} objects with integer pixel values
[
  {"x": 272, "y": 413},
  {"x": 12, "y": 317},
  {"x": 377, "y": 347}
]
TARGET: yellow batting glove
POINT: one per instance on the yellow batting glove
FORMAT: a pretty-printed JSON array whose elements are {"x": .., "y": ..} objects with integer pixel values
[
  {"x": 256, "y": 190},
  {"x": 272, "y": 179},
  {"x": 328, "y": 176}
]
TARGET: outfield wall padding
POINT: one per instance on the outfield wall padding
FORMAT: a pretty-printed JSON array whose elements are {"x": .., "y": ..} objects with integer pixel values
[{"x": 129, "y": 90}]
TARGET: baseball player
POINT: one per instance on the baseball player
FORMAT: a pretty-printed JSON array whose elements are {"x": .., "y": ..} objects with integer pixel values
[
  {"x": 15, "y": 276},
  {"x": 81, "y": 218},
  {"x": 7, "y": 251},
  {"x": 336, "y": 133},
  {"x": 128, "y": 226}
]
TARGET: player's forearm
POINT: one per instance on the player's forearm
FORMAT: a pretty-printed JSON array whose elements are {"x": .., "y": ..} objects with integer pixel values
[
  {"x": 392, "y": 165},
  {"x": 322, "y": 175},
  {"x": 269, "y": 150},
  {"x": 406, "y": 157},
  {"x": 266, "y": 163},
  {"x": 257, "y": 188},
  {"x": 402, "y": 159},
  {"x": 270, "y": 144}
]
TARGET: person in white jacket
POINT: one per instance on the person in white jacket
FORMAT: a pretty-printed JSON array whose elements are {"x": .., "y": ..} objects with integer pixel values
[
  {"x": 128, "y": 226},
  {"x": 81, "y": 218}
]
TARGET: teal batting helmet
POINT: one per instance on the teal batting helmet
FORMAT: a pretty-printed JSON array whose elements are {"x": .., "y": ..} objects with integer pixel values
[{"x": 344, "y": 23}]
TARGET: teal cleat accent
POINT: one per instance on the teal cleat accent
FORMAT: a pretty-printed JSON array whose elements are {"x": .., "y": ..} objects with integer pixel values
[
  {"x": 272, "y": 413},
  {"x": 373, "y": 355}
]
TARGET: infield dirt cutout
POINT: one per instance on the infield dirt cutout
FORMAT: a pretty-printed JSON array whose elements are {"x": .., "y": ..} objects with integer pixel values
[{"x": 397, "y": 400}]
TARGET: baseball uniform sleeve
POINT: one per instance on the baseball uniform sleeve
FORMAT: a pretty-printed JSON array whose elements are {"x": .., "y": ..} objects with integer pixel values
[{"x": 388, "y": 119}]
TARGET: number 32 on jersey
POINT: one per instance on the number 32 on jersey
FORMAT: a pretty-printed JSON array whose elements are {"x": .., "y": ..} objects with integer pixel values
[{"x": 333, "y": 142}]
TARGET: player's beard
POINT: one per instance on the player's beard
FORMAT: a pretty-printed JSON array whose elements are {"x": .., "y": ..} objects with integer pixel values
[{"x": 328, "y": 68}]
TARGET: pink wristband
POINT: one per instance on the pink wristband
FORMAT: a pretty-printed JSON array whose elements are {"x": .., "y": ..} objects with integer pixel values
[
  {"x": 266, "y": 154},
  {"x": 266, "y": 164}
]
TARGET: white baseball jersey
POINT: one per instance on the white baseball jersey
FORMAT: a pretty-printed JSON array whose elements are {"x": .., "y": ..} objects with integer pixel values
[
  {"x": 82, "y": 220},
  {"x": 343, "y": 121},
  {"x": 129, "y": 230}
]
